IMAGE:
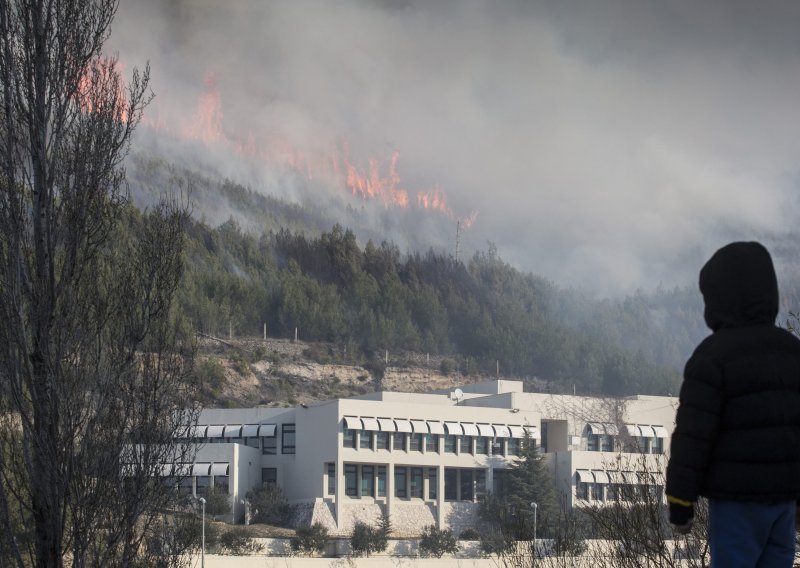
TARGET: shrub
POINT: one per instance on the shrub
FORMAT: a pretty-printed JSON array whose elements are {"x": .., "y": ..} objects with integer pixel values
[
  {"x": 218, "y": 502},
  {"x": 469, "y": 534},
  {"x": 447, "y": 366},
  {"x": 268, "y": 504},
  {"x": 437, "y": 542},
  {"x": 366, "y": 540},
  {"x": 238, "y": 541},
  {"x": 210, "y": 374},
  {"x": 310, "y": 540}
]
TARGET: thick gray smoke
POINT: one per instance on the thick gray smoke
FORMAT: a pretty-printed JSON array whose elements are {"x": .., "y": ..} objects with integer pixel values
[{"x": 609, "y": 145}]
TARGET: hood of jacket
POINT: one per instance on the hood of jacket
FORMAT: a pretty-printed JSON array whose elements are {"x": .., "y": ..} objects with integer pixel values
[{"x": 739, "y": 287}]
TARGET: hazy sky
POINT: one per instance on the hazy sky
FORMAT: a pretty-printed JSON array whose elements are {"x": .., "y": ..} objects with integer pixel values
[{"x": 613, "y": 144}]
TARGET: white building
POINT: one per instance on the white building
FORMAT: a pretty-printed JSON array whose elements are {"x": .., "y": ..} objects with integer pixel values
[{"x": 427, "y": 458}]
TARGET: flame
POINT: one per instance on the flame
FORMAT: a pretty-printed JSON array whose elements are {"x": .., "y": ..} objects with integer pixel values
[{"x": 379, "y": 179}]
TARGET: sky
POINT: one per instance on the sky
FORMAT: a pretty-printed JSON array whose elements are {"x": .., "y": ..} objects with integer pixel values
[{"x": 610, "y": 145}]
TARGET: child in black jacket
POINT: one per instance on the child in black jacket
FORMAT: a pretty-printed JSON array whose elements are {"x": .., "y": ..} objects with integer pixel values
[{"x": 737, "y": 432}]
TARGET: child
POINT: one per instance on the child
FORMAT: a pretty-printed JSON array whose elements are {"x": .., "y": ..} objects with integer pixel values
[{"x": 737, "y": 432}]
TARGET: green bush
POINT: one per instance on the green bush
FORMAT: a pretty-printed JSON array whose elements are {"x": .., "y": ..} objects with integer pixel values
[
  {"x": 469, "y": 534},
  {"x": 210, "y": 374},
  {"x": 367, "y": 540},
  {"x": 447, "y": 366},
  {"x": 310, "y": 540},
  {"x": 437, "y": 542},
  {"x": 268, "y": 504},
  {"x": 238, "y": 541},
  {"x": 218, "y": 502}
]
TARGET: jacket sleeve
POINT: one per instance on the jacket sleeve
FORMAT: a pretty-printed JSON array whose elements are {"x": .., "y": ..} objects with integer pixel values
[{"x": 696, "y": 426}]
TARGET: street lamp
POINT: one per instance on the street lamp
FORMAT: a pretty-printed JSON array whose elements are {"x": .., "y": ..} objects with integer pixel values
[
  {"x": 203, "y": 545},
  {"x": 535, "y": 509}
]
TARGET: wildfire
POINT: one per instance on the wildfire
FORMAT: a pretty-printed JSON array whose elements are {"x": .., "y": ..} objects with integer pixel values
[{"x": 379, "y": 179}]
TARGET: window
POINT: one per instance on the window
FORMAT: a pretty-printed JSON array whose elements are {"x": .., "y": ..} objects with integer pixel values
[
  {"x": 432, "y": 443},
  {"x": 269, "y": 445},
  {"x": 613, "y": 492},
  {"x": 597, "y": 491},
  {"x": 544, "y": 437},
  {"x": 382, "y": 440},
  {"x": 287, "y": 438},
  {"x": 582, "y": 491},
  {"x": 500, "y": 483},
  {"x": 593, "y": 443},
  {"x": 416, "y": 442},
  {"x": 351, "y": 480},
  {"x": 512, "y": 448},
  {"x": 399, "y": 441},
  {"x": 644, "y": 444},
  {"x": 450, "y": 484},
  {"x": 367, "y": 481},
  {"x": 416, "y": 482},
  {"x": 269, "y": 475},
  {"x": 331, "y": 468},
  {"x": 381, "y": 481},
  {"x": 222, "y": 481},
  {"x": 658, "y": 446},
  {"x": 465, "y": 445},
  {"x": 186, "y": 485},
  {"x": 449, "y": 444},
  {"x": 202, "y": 483},
  {"x": 433, "y": 483},
  {"x": 480, "y": 483},
  {"x": 498, "y": 447},
  {"x": 400, "y": 474},
  {"x": 365, "y": 440},
  {"x": 608, "y": 443},
  {"x": 466, "y": 485},
  {"x": 482, "y": 446},
  {"x": 348, "y": 438},
  {"x": 253, "y": 442}
]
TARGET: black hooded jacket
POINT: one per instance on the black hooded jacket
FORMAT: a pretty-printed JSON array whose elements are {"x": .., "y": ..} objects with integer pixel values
[{"x": 737, "y": 431}]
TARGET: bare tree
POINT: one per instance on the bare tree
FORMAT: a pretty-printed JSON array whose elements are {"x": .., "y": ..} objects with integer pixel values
[{"x": 92, "y": 374}]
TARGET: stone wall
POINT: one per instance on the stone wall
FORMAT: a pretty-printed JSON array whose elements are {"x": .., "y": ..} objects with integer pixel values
[
  {"x": 408, "y": 518},
  {"x": 461, "y": 515}
]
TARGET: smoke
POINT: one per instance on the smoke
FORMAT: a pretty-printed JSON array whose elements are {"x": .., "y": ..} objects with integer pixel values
[{"x": 609, "y": 145}]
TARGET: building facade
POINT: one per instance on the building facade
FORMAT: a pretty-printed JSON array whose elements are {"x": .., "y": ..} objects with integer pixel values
[{"x": 427, "y": 458}]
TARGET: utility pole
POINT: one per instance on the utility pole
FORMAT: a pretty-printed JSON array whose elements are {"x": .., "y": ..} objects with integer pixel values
[{"x": 458, "y": 237}]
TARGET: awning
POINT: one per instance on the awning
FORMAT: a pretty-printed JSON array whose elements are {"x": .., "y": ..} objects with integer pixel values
[
  {"x": 454, "y": 428},
  {"x": 249, "y": 430},
  {"x": 419, "y": 426},
  {"x": 517, "y": 431},
  {"x": 601, "y": 477},
  {"x": 501, "y": 431},
  {"x": 200, "y": 469},
  {"x": 647, "y": 431},
  {"x": 215, "y": 431},
  {"x": 176, "y": 469},
  {"x": 660, "y": 432},
  {"x": 614, "y": 477},
  {"x": 469, "y": 429},
  {"x": 584, "y": 476},
  {"x": 370, "y": 424},
  {"x": 531, "y": 430},
  {"x": 266, "y": 430},
  {"x": 630, "y": 477},
  {"x": 632, "y": 430},
  {"x": 220, "y": 468},
  {"x": 435, "y": 427},
  {"x": 196, "y": 431},
  {"x": 403, "y": 425},
  {"x": 486, "y": 430},
  {"x": 352, "y": 423},
  {"x": 647, "y": 478},
  {"x": 611, "y": 429},
  {"x": 387, "y": 425},
  {"x": 596, "y": 429},
  {"x": 233, "y": 431}
]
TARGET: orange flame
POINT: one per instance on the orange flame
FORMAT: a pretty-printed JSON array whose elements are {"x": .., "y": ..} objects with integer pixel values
[{"x": 378, "y": 180}]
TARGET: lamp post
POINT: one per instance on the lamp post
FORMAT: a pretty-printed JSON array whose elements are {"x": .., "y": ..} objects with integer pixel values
[
  {"x": 203, "y": 545},
  {"x": 535, "y": 508}
]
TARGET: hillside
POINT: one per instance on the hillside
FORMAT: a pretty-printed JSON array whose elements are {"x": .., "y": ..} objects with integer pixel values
[{"x": 245, "y": 372}]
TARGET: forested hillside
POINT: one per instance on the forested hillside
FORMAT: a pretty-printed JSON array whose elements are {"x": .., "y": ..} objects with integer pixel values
[
  {"x": 292, "y": 266},
  {"x": 370, "y": 299}
]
